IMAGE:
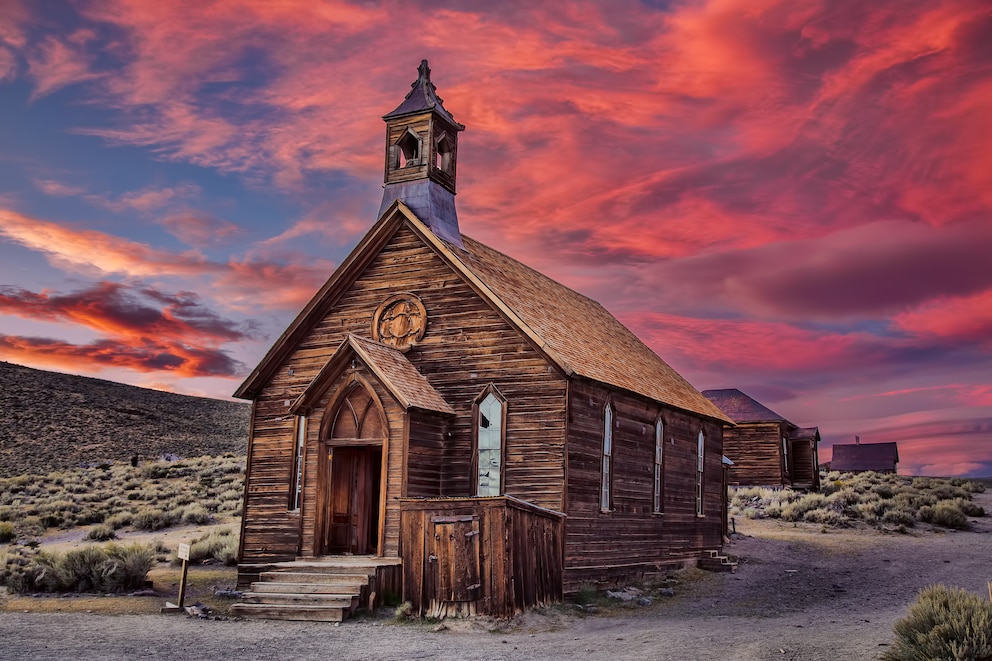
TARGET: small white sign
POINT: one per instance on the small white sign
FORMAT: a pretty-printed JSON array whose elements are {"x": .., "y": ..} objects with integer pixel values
[{"x": 183, "y": 552}]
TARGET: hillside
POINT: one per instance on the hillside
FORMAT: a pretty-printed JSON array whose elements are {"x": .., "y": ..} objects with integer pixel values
[{"x": 51, "y": 421}]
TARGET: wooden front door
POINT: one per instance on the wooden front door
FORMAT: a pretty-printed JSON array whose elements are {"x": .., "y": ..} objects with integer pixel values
[
  {"x": 353, "y": 510},
  {"x": 352, "y": 484}
]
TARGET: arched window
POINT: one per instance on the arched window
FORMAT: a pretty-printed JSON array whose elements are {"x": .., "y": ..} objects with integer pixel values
[
  {"x": 659, "y": 466},
  {"x": 700, "y": 455},
  {"x": 490, "y": 433},
  {"x": 606, "y": 485}
]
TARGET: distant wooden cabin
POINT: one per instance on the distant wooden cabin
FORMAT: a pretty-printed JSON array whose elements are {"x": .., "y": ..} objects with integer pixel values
[
  {"x": 483, "y": 436},
  {"x": 860, "y": 457},
  {"x": 766, "y": 449}
]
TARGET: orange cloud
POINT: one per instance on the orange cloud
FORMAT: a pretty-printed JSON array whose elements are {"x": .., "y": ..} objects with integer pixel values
[
  {"x": 239, "y": 283},
  {"x": 961, "y": 318}
]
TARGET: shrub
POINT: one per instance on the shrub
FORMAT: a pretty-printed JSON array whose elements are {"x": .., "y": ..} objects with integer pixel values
[
  {"x": 195, "y": 514},
  {"x": 825, "y": 516},
  {"x": 943, "y": 623},
  {"x": 795, "y": 510},
  {"x": 101, "y": 533},
  {"x": 220, "y": 545},
  {"x": 969, "y": 508},
  {"x": 153, "y": 519},
  {"x": 119, "y": 520},
  {"x": 944, "y": 514},
  {"x": 6, "y": 532},
  {"x": 899, "y": 517}
]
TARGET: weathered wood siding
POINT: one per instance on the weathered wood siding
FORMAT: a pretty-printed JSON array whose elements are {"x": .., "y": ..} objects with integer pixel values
[
  {"x": 467, "y": 345},
  {"x": 618, "y": 544},
  {"x": 756, "y": 450},
  {"x": 425, "y": 458},
  {"x": 493, "y": 556},
  {"x": 805, "y": 473}
]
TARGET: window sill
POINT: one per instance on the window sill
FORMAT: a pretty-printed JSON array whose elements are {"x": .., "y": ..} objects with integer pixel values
[
  {"x": 700, "y": 516},
  {"x": 657, "y": 514},
  {"x": 602, "y": 511}
]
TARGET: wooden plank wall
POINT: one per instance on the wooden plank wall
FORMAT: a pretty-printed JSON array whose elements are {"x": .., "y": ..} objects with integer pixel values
[
  {"x": 620, "y": 544},
  {"x": 467, "y": 345},
  {"x": 425, "y": 454},
  {"x": 756, "y": 450},
  {"x": 519, "y": 555},
  {"x": 804, "y": 473}
]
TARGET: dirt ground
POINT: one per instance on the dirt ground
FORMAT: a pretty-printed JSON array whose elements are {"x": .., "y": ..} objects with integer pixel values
[{"x": 799, "y": 594}]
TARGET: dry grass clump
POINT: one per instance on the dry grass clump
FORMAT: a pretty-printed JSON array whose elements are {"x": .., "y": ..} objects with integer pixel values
[
  {"x": 943, "y": 623},
  {"x": 6, "y": 532},
  {"x": 219, "y": 545},
  {"x": 186, "y": 491},
  {"x": 101, "y": 533},
  {"x": 92, "y": 568},
  {"x": 872, "y": 498}
]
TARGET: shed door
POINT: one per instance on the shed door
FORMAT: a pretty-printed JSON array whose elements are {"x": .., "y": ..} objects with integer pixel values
[{"x": 456, "y": 544}]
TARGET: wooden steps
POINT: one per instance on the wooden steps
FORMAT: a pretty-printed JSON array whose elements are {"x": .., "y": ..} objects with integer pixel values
[
  {"x": 321, "y": 590},
  {"x": 716, "y": 561}
]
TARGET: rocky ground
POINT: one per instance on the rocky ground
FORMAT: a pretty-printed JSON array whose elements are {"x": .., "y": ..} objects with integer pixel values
[
  {"x": 51, "y": 421},
  {"x": 799, "y": 594}
]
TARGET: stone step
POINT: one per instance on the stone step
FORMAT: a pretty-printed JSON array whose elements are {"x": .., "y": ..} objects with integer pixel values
[
  {"x": 348, "y": 601},
  {"x": 311, "y": 577},
  {"x": 308, "y": 613},
  {"x": 344, "y": 587}
]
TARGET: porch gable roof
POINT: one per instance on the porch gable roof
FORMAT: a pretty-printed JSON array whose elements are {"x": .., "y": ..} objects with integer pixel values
[{"x": 397, "y": 374}]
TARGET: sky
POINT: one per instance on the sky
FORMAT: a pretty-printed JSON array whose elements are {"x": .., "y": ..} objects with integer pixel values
[{"x": 793, "y": 198}]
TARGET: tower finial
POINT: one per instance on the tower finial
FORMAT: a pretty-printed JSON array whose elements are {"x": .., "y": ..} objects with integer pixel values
[{"x": 424, "y": 71}]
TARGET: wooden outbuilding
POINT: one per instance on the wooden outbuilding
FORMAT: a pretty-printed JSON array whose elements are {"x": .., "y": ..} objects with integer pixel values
[
  {"x": 766, "y": 449},
  {"x": 461, "y": 429},
  {"x": 860, "y": 457}
]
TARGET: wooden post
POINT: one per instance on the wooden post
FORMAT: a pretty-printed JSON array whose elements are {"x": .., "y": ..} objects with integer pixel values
[
  {"x": 183, "y": 554},
  {"x": 990, "y": 590}
]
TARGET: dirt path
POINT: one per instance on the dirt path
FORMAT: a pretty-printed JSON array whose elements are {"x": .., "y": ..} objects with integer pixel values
[{"x": 799, "y": 594}]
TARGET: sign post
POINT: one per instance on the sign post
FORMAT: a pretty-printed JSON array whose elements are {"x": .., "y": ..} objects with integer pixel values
[{"x": 183, "y": 554}]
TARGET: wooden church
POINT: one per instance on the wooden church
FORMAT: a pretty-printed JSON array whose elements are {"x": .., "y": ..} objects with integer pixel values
[{"x": 446, "y": 425}]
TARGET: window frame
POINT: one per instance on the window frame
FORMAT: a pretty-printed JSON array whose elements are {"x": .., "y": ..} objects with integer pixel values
[
  {"x": 607, "y": 458},
  {"x": 294, "y": 502},
  {"x": 700, "y": 471},
  {"x": 490, "y": 389},
  {"x": 658, "y": 484}
]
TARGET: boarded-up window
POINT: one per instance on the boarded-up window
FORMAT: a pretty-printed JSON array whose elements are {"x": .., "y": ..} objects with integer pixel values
[
  {"x": 606, "y": 486},
  {"x": 659, "y": 466},
  {"x": 700, "y": 455},
  {"x": 489, "y": 440}
]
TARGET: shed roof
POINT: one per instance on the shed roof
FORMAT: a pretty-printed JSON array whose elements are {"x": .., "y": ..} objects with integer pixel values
[
  {"x": 864, "y": 457},
  {"x": 574, "y": 332},
  {"x": 805, "y": 434},
  {"x": 742, "y": 407}
]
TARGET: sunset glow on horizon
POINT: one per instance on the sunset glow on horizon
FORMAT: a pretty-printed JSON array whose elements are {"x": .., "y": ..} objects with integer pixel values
[{"x": 790, "y": 198}]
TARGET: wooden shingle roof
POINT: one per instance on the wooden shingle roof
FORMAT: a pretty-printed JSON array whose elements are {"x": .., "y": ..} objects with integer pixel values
[
  {"x": 583, "y": 337},
  {"x": 574, "y": 332},
  {"x": 741, "y": 407},
  {"x": 403, "y": 381}
]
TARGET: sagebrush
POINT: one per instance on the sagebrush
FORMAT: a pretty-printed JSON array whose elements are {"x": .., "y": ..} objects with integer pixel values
[
  {"x": 944, "y": 623},
  {"x": 872, "y": 498}
]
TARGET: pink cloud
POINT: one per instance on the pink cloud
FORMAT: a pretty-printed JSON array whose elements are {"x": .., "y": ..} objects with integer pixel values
[
  {"x": 958, "y": 318},
  {"x": 238, "y": 282},
  {"x": 54, "y": 64},
  {"x": 198, "y": 229}
]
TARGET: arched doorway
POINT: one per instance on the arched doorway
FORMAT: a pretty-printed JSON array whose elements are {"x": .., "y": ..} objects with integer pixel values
[{"x": 352, "y": 476}]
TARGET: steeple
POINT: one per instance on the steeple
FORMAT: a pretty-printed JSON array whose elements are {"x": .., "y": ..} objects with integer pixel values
[{"x": 421, "y": 157}]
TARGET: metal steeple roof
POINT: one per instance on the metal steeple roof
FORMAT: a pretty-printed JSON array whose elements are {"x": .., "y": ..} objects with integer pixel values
[{"x": 422, "y": 97}]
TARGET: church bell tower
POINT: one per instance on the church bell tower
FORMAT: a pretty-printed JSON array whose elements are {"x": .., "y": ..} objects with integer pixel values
[{"x": 421, "y": 158}]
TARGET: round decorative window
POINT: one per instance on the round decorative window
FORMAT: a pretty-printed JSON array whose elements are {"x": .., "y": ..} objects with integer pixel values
[{"x": 400, "y": 321}]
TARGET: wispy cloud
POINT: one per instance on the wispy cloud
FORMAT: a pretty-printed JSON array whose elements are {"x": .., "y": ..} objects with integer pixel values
[{"x": 236, "y": 282}]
